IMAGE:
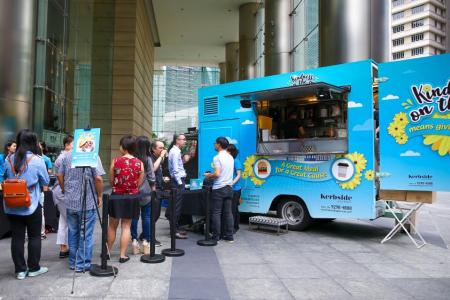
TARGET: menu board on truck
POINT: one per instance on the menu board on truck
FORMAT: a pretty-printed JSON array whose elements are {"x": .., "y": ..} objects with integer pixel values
[{"x": 415, "y": 124}]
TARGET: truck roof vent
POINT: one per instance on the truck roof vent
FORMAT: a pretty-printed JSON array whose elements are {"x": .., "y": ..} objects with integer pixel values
[{"x": 211, "y": 106}]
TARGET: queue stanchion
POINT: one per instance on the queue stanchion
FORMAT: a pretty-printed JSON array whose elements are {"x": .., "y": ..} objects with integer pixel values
[
  {"x": 208, "y": 241},
  {"x": 104, "y": 270},
  {"x": 153, "y": 258},
  {"x": 173, "y": 251}
]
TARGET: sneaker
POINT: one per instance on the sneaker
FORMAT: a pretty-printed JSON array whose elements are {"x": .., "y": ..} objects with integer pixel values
[
  {"x": 136, "y": 247},
  {"x": 158, "y": 243},
  {"x": 43, "y": 236},
  {"x": 228, "y": 240},
  {"x": 21, "y": 275},
  {"x": 41, "y": 271},
  {"x": 146, "y": 246},
  {"x": 180, "y": 236}
]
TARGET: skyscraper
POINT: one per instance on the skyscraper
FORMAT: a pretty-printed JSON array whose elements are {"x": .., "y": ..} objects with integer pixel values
[{"x": 419, "y": 28}]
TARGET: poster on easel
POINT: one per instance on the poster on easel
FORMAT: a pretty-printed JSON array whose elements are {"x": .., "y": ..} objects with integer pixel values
[{"x": 85, "y": 148}]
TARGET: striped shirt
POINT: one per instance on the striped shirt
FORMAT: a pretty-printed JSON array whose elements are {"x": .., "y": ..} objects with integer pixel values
[{"x": 73, "y": 183}]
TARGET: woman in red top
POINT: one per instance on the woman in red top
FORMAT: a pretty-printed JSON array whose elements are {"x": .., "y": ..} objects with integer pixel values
[{"x": 126, "y": 175}]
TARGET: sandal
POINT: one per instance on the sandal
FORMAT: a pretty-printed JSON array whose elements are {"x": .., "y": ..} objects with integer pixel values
[{"x": 124, "y": 259}]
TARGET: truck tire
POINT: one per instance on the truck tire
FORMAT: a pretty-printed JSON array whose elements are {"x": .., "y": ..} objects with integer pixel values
[{"x": 296, "y": 213}]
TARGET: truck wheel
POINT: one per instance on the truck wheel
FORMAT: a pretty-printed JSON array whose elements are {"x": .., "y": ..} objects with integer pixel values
[{"x": 296, "y": 213}]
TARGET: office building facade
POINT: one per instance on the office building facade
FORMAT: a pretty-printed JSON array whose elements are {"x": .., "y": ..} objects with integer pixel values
[
  {"x": 76, "y": 64},
  {"x": 419, "y": 28}
]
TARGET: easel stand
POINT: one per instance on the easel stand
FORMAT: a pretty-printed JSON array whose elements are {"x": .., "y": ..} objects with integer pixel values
[
  {"x": 173, "y": 251},
  {"x": 207, "y": 241},
  {"x": 104, "y": 270},
  {"x": 153, "y": 258}
]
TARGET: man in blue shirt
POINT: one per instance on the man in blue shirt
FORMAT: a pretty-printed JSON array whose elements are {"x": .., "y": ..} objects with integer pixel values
[
  {"x": 236, "y": 185},
  {"x": 177, "y": 178}
]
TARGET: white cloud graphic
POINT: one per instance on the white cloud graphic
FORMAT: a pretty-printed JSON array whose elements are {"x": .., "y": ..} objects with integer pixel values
[
  {"x": 241, "y": 110},
  {"x": 248, "y": 122},
  {"x": 366, "y": 126},
  {"x": 410, "y": 153},
  {"x": 231, "y": 141},
  {"x": 353, "y": 104},
  {"x": 391, "y": 97}
]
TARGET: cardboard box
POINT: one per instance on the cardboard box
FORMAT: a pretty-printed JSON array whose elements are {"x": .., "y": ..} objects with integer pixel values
[{"x": 408, "y": 196}]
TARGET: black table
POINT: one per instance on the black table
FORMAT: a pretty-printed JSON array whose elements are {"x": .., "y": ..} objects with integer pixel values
[{"x": 194, "y": 203}]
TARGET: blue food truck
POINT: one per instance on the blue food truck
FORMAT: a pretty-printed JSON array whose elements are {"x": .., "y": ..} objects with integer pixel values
[{"x": 321, "y": 143}]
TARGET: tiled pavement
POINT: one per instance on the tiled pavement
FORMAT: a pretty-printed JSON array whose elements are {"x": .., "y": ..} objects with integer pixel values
[{"x": 336, "y": 260}]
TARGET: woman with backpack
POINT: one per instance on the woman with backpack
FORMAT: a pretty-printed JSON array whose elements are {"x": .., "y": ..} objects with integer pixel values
[{"x": 25, "y": 213}]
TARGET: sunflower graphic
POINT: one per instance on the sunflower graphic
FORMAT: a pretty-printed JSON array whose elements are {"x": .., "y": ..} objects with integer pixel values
[
  {"x": 369, "y": 175},
  {"x": 440, "y": 143},
  {"x": 248, "y": 171},
  {"x": 360, "y": 163},
  {"x": 358, "y": 160},
  {"x": 352, "y": 184},
  {"x": 401, "y": 119},
  {"x": 427, "y": 88},
  {"x": 397, "y": 128},
  {"x": 402, "y": 139}
]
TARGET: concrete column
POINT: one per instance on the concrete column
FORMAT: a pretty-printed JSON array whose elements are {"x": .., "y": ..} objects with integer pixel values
[
  {"x": 232, "y": 61},
  {"x": 346, "y": 36},
  {"x": 247, "y": 33},
  {"x": 17, "y": 32},
  {"x": 278, "y": 34},
  {"x": 223, "y": 72}
]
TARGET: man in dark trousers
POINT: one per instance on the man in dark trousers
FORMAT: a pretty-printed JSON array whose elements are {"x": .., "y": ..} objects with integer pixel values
[
  {"x": 222, "y": 192},
  {"x": 158, "y": 156}
]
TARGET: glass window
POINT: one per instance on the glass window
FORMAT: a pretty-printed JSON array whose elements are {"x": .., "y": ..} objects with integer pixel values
[
  {"x": 398, "y": 2},
  {"x": 417, "y": 23},
  {"x": 398, "y": 42},
  {"x": 398, "y": 15},
  {"x": 398, "y": 28},
  {"x": 417, "y": 9},
  {"x": 417, "y": 51},
  {"x": 417, "y": 37},
  {"x": 398, "y": 55}
]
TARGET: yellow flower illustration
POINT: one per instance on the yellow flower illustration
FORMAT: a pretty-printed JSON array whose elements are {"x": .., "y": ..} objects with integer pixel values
[
  {"x": 395, "y": 129},
  {"x": 401, "y": 119},
  {"x": 248, "y": 170},
  {"x": 352, "y": 184},
  {"x": 427, "y": 88},
  {"x": 440, "y": 143},
  {"x": 370, "y": 174},
  {"x": 402, "y": 139},
  {"x": 358, "y": 160}
]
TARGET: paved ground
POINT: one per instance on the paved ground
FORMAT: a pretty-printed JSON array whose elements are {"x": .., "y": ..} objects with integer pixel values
[{"x": 337, "y": 260}]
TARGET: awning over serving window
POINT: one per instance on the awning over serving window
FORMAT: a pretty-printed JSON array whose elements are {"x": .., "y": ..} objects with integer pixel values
[{"x": 322, "y": 90}]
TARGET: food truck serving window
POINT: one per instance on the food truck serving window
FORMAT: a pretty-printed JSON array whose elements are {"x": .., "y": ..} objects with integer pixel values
[{"x": 310, "y": 119}]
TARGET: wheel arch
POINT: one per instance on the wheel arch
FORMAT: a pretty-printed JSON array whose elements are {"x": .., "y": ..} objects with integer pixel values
[{"x": 279, "y": 198}]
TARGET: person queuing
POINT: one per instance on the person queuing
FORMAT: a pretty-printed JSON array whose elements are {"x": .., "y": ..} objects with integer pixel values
[
  {"x": 26, "y": 164},
  {"x": 236, "y": 186},
  {"x": 48, "y": 164},
  {"x": 158, "y": 155},
  {"x": 143, "y": 146},
  {"x": 47, "y": 160},
  {"x": 177, "y": 179},
  {"x": 222, "y": 192},
  {"x": 80, "y": 227},
  {"x": 10, "y": 148},
  {"x": 58, "y": 198},
  {"x": 126, "y": 175}
]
